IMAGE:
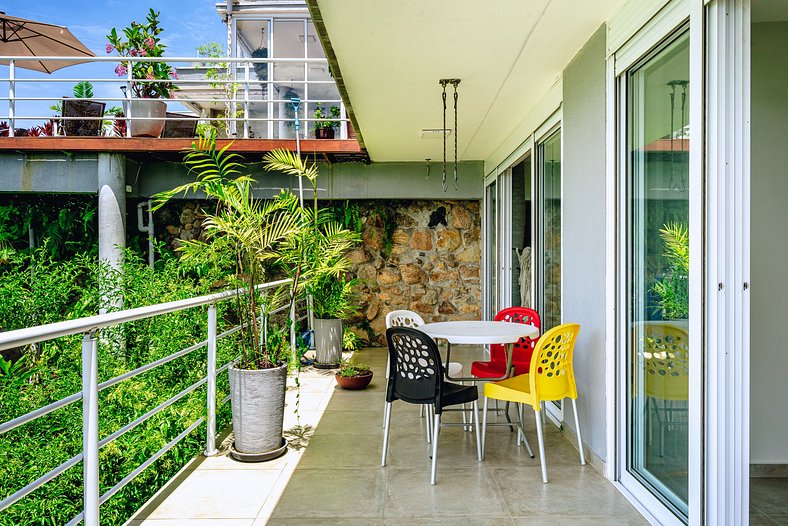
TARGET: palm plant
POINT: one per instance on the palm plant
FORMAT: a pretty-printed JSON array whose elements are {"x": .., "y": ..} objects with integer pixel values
[
  {"x": 317, "y": 254},
  {"x": 673, "y": 288},
  {"x": 248, "y": 233}
]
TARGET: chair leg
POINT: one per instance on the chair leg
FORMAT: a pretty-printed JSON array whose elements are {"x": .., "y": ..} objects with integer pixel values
[
  {"x": 428, "y": 414},
  {"x": 521, "y": 432},
  {"x": 506, "y": 414},
  {"x": 579, "y": 438},
  {"x": 386, "y": 424},
  {"x": 520, "y": 419},
  {"x": 436, "y": 427},
  {"x": 484, "y": 426},
  {"x": 478, "y": 438},
  {"x": 539, "y": 433},
  {"x": 421, "y": 410}
]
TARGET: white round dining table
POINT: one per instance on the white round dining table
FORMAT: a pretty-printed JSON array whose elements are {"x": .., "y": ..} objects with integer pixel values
[{"x": 479, "y": 333}]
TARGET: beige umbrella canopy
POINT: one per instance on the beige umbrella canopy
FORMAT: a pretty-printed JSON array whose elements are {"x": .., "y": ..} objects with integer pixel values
[{"x": 21, "y": 37}]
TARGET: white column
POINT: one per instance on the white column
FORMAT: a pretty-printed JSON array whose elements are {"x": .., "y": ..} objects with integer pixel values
[{"x": 112, "y": 211}]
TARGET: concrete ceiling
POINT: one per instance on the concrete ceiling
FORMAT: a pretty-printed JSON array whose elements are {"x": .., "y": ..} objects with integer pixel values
[{"x": 508, "y": 54}]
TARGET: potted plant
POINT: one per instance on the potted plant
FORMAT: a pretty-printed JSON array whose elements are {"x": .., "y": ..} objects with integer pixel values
[
  {"x": 325, "y": 124},
  {"x": 150, "y": 80},
  {"x": 353, "y": 375},
  {"x": 321, "y": 256},
  {"x": 247, "y": 236},
  {"x": 74, "y": 127}
]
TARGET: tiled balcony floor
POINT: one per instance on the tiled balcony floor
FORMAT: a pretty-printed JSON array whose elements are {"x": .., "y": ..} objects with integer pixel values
[{"x": 337, "y": 478}]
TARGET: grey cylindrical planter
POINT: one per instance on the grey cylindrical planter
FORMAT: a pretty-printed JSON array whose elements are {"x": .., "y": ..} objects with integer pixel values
[
  {"x": 258, "y": 402},
  {"x": 328, "y": 342}
]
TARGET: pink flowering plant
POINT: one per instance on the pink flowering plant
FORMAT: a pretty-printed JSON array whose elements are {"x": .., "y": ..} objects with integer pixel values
[{"x": 142, "y": 40}]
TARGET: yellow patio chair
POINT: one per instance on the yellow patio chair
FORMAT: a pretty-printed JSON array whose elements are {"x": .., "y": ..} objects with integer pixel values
[{"x": 551, "y": 378}]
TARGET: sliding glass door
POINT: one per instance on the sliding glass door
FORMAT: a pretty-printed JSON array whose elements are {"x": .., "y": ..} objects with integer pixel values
[
  {"x": 655, "y": 282},
  {"x": 549, "y": 230}
]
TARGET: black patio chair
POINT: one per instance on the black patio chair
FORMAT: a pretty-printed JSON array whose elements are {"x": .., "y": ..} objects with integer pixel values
[{"x": 416, "y": 377}]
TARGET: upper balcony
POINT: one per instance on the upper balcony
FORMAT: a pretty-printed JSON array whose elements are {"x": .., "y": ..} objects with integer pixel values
[{"x": 261, "y": 103}]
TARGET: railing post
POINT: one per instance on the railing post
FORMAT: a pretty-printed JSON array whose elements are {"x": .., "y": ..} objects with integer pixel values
[
  {"x": 210, "y": 438},
  {"x": 90, "y": 438},
  {"x": 129, "y": 95},
  {"x": 11, "y": 97},
  {"x": 343, "y": 122},
  {"x": 246, "y": 100}
]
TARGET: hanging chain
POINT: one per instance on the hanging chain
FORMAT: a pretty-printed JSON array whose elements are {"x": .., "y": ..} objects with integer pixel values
[
  {"x": 455, "y": 83},
  {"x": 456, "y": 179},
  {"x": 443, "y": 180}
]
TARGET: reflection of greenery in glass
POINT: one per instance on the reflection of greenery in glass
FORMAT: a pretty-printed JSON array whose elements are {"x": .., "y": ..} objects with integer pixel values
[{"x": 673, "y": 288}]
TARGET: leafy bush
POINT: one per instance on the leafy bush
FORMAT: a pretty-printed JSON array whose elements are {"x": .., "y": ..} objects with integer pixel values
[
  {"x": 673, "y": 288},
  {"x": 44, "y": 291}
]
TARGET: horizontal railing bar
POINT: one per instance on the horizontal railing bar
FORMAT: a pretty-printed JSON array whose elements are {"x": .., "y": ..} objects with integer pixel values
[
  {"x": 230, "y": 60},
  {"x": 50, "y": 331},
  {"x": 162, "y": 406},
  {"x": 178, "y": 82},
  {"x": 224, "y": 400},
  {"x": 211, "y": 119},
  {"x": 40, "y": 481},
  {"x": 302, "y": 318},
  {"x": 16, "y": 422},
  {"x": 32, "y": 415},
  {"x": 139, "y": 469},
  {"x": 176, "y": 100}
]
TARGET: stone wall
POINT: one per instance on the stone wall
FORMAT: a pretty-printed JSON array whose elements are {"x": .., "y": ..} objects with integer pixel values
[{"x": 431, "y": 264}]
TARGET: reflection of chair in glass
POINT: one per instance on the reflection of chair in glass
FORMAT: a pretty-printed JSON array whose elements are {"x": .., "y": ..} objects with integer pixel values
[
  {"x": 551, "y": 377},
  {"x": 665, "y": 358},
  {"x": 408, "y": 318},
  {"x": 416, "y": 377}
]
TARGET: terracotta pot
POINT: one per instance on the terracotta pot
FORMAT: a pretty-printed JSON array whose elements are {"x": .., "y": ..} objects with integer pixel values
[
  {"x": 324, "y": 133},
  {"x": 354, "y": 382},
  {"x": 148, "y": 115}
]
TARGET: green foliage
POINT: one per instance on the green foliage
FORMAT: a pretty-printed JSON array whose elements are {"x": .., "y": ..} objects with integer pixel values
[
  {"x": 348, "y": 369},
  {"x": 348, "y": 215},
  {"x": 318, "y": 253},
  {"x": 53, "y": 369},
  {"x": 350, "y": 340},
  {"x": 142, "y": 40},
  {"x": 243, "y": 230},
  {"x": 384, "y": 216},
  {"x": 210, "y": 50},
  {"x": 83, "y": 90},
  {"x": 673, "y": 288},
  {"x": 326, "y": 120},
  {"x": 63, "y": 226},
  {"x": 14, "y": 375},
  {"x": 218, "y": 73}
]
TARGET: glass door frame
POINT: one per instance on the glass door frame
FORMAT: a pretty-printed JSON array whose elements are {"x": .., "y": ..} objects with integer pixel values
[{"x": 673, "y": 17}]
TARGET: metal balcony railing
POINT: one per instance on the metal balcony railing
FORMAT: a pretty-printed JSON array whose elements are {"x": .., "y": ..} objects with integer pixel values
[
  {"x": 236, "y": 95},
  {"x": 91, "y": 443}
]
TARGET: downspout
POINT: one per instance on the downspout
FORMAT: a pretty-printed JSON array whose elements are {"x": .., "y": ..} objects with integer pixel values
[{"x": 146, "y": 228}]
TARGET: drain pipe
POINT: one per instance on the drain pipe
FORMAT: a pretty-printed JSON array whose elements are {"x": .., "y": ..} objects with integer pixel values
[{"x": 146, "y": 228}]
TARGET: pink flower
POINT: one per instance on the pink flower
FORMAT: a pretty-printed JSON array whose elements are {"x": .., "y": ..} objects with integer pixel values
[
  {"x": 150, "y": 76},
  {"x": 121, "y": 70},
  {"x": 150, "y": 43},
  {"x": 174, "y": 75},
  {"x": 133, "y": 52},
  {"x": 109, "y": 47},
  {"x": 143, "y": 53}
]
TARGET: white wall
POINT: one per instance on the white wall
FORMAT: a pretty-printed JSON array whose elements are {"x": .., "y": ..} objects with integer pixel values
[
  {"x": 769, "y": 244},
  {"x": 583, "y": 232}
]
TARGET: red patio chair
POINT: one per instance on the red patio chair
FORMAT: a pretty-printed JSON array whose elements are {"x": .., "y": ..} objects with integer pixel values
[{"x": 521, "y": 350}]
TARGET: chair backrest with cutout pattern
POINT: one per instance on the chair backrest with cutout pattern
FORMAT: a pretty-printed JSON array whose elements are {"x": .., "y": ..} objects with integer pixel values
[
  {"x": 524, "y": 347},
  {"x": 665, "y": 360},
  {"x": 403, "y": 318},
  {"x": 552, "y": 374},
  {"x": 415, "y": 368}
]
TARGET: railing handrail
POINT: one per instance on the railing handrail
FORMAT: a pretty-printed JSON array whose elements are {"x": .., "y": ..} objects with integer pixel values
[
  {"x": 28, "y": 335},
  {"x": 206, "y": 60}
]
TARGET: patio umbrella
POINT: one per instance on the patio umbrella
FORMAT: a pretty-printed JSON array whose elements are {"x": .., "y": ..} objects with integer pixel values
[{"x": 21, "y": 37}]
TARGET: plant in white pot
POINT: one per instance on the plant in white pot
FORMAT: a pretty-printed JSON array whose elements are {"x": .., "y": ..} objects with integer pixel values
[
  {"x": 151, "y": 81},
  {"x": 247, "y": 235},
  {"x": 321, "y": 257}
]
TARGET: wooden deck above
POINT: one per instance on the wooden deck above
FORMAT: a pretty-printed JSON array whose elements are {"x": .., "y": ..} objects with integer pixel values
[{"x": 326, "y": 149}]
